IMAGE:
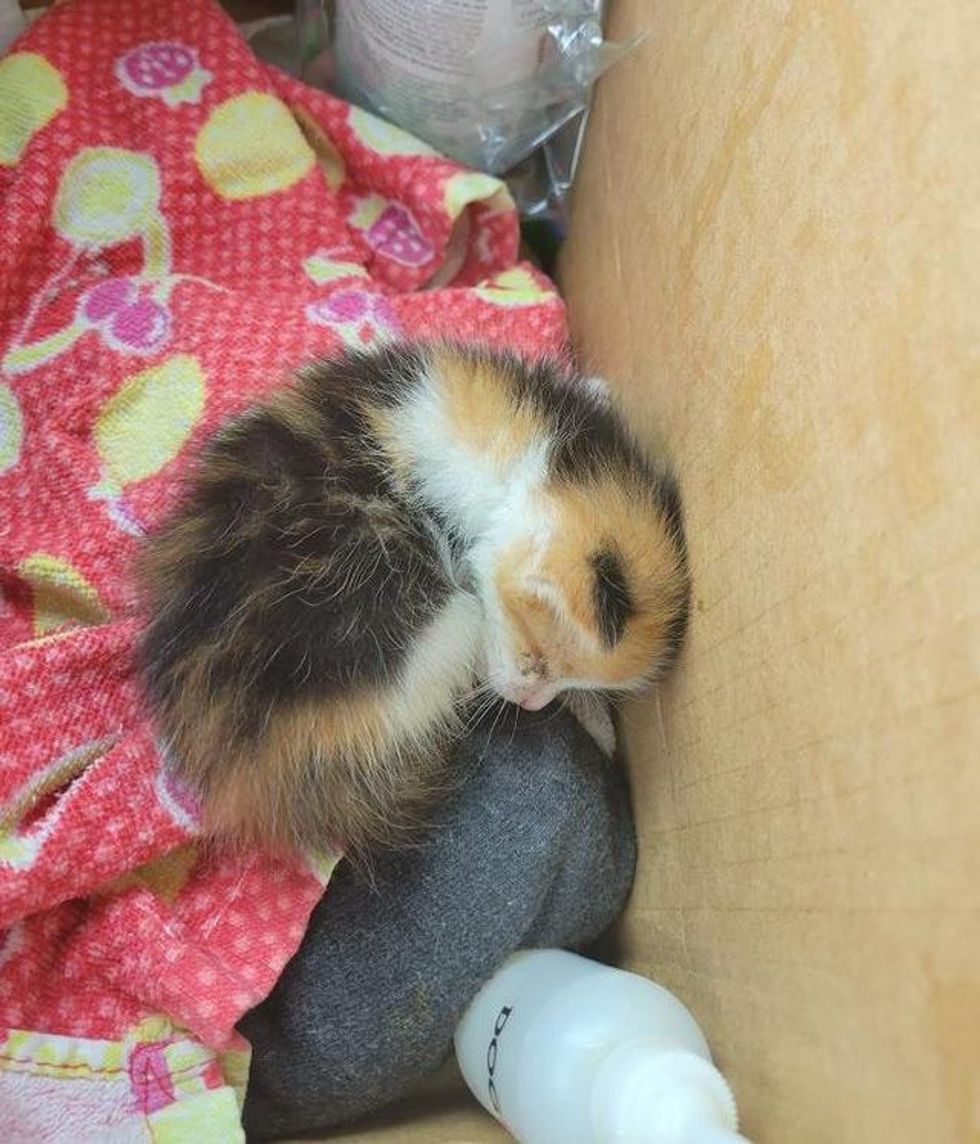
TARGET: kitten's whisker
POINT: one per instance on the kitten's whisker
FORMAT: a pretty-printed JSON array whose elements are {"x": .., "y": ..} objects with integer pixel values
[{"x": 490, "y": 734}]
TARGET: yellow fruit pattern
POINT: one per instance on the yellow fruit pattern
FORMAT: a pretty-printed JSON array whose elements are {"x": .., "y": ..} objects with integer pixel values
[
  {"x": 107, "y": 195},
  {"x": 164, "y": 876},
  {"x": 32, "y": 93},
  {"x": 251, "y": 145},
  {"x": 322, "y": 268},
  {"x": 19, "y": 849},
  {"x": 145, "y": 423},
  {"x": 11, "y": 429},
  {"x": 328, "y": 158},
  {"x": 61, "y": 594},
  {"x": 383, "y": 137},
  {"x": 367, "y": 210},
  {"x": 514, "y": 287},
  {"x": 471, "y": 187}
]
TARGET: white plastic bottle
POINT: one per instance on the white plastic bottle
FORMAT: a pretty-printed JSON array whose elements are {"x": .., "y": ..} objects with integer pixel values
[
  {"x": 12, "y": 23},
  {"x": 562, "y": 1050},
  {"x": 430, "y": 71}
]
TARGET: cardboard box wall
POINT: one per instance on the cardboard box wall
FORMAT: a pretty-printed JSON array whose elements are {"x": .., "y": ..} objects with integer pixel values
[{"x": 776, "y": 255}]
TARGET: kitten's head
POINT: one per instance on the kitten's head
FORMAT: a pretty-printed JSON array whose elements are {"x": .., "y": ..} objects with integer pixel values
[{"x": 586, "y": 585}]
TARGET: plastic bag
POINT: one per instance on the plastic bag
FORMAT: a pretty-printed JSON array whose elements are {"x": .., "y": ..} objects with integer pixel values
[{"x": 500, "y": 85}]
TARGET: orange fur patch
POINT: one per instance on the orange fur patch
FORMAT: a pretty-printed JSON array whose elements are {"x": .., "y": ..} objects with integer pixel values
[{"x": 481, "y": 403}]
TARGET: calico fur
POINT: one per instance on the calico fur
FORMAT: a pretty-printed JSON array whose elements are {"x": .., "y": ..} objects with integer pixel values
[{"x": 351, "y": 553}]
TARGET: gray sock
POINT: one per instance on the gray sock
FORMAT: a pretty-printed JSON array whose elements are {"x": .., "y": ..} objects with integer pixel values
[{"x": 536, "y": 848}]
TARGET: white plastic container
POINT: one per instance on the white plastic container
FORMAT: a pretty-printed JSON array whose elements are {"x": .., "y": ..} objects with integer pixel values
[
  {"x": 562, "y": 1050},
  {"x": 432, "y": 68},
  {"x": 12, "y": 23}
]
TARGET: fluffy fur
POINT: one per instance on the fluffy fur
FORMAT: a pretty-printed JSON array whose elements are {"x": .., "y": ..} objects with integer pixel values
[{"x": 352, "y": 554}]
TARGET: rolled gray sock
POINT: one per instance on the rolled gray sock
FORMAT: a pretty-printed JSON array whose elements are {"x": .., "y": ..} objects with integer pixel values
[{"x": 535, "y": 848}]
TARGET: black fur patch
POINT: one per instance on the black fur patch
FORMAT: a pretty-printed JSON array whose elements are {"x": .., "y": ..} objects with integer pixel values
[
  {"x": 590, "y": 438},
  {"x": 306, "y": 575},
  {"x": 669, "y": 496},
  {"x": 383, "y": 375},
  {"x": 611, "y": 595},
  {"x": 676, "y": 630}
]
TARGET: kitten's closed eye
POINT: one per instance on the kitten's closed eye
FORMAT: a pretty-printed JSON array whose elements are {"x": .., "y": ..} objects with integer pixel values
[{"x": 611, "y": 592}]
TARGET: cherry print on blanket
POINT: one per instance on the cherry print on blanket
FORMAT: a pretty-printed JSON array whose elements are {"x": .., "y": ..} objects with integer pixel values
[
  {"x": 126, "y": 319},
  {"x": 167, "y": 70},
  {"x": 360, "y": 317},
  {"x": 107, "y": 195}
]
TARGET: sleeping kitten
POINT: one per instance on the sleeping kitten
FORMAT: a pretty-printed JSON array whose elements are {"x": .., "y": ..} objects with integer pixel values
[{"x": 354, "y": 552}]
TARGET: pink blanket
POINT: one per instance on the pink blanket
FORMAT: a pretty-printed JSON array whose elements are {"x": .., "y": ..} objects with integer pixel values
[{"x": 173, "y": 243}]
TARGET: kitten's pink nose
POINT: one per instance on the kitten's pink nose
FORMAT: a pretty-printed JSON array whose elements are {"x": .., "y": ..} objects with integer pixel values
[{"x": 535, "y": 702}]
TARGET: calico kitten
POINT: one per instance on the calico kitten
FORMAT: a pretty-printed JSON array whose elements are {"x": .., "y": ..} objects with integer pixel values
[{"x": 352, "y": 553}]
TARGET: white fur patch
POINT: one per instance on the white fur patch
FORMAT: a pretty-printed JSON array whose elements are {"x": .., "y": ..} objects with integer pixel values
[
  {"x": 441, "y": 662},
  {"x": 463, "y": 481}
]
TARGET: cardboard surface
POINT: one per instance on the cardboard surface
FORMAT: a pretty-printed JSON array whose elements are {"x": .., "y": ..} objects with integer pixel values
[
  {"x": 776, "y": 252},
  {"x": 454, "y": 1120},
  {"x": 442, "y": 1111}
]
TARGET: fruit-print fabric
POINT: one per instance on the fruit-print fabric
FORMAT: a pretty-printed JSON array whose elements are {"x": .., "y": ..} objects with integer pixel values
[{"x": 182, "y": 225}]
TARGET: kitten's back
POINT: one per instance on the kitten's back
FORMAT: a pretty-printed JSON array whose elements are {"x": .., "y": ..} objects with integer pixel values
[{"x": 287, "y": 595}]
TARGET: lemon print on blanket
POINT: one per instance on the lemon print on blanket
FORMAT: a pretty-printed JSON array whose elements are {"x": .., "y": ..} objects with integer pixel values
[
  {"x": 11, "y": 429},
  {"x": 515, "y": 287},
  {"x": 61, "y": 594},
  {"x": 32, "y": 93},
  {"x": 144, "y": 424},
  {"x": 250, "y": 146},
  {"x": 323, "y": 267},
  {"x": 383, "y": 137},
  {"x": 31, "y": 814},
  {"x": 468, "y": 187}
]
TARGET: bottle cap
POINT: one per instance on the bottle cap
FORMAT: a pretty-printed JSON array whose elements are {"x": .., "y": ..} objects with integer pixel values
[{"x": 649, "y": 1093}]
